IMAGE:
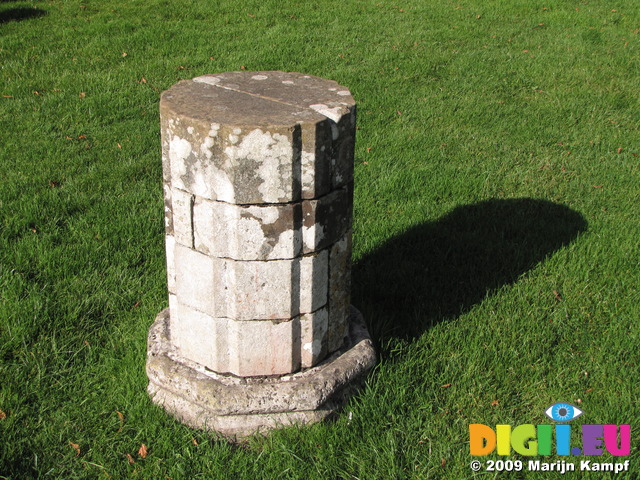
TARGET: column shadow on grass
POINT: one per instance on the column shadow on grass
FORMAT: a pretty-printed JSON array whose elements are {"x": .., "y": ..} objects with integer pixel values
[
  {"x": 439, "y": 270},
  {"x": 19, "y": 13}
]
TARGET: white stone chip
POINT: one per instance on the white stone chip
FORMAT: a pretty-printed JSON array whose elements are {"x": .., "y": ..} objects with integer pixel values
[
  {"x": 208, "y": 79},
  {"x": 331, "y": 113},
  {"x": 259, "y": 77}
]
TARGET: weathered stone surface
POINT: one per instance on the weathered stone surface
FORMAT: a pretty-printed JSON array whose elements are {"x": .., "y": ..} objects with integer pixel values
[
  {"x": 254, "y": 232},
  {"x": 295, "y": 89},
  {"x": 170, "y": 246},
  {"x": 181, "y": 208},
  {"x": 326, "y": 219},
  {"x": 194, "y": 278},
  {"x": 258, "y": 189},
  {"x": 248, "y": 348},
  {"x": 339, "y": 291},
  {"x": 229, "y": 137},
  {"x": 317, "y": 149},
  {"x": 269, "y": 290},
  {"x": 261, "y": 232},
  {"x": 237, "y": 406},
  {"x": 244, "y": 348},
  {"x": 313, "y": 337}
]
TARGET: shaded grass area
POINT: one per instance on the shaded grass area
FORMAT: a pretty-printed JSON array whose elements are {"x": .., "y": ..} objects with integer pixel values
[
  {"x": 436, "y": 271},
  {"x": 496, "y": 231}
]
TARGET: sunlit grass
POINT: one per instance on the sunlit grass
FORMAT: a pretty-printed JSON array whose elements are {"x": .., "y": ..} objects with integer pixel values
[{"x": 496, "y": 233}]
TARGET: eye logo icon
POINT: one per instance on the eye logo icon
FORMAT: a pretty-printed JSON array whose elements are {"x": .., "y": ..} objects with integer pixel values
[{"x": 563, "y": 412}]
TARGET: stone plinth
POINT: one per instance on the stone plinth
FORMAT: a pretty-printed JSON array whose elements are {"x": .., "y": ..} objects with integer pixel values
[{"x": 258, "y": 188}]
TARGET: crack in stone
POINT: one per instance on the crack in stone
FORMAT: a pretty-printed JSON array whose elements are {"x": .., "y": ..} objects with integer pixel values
[{"x": 332, "y": 114}]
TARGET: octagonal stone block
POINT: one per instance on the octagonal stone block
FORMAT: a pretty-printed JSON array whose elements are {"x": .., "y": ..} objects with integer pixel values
[
  {"x": 241, "y": 406},
  {"x": 241, "y": 290},
  {"x": 261, "y": 232},
  {"x": 249, "y": 348},
  {"x": 230, "y": 138}
]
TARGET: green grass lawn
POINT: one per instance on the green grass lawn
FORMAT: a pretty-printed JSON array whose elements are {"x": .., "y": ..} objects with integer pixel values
[{"x": 496, "y": 226}]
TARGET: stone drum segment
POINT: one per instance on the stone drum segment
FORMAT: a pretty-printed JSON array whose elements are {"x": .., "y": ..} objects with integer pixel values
[{"x": 258, "y": 189}]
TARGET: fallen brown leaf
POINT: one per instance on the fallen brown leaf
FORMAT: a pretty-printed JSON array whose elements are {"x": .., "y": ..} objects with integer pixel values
[
  {"x": 121, "y": 417},
  {"x": 619, "y": 150},
  {"x": 557, "y": 295},
  {"x": 130, "y": 458},
  {"x": 194, "y": 441},
  {"x": 446, "y": 385},
  {"x": 83, "y": 94},
  {"x": 494, "y": 403},
  {"x": 143, "y": 451},
  {"x": 2, "y": 415},
  {"x": 76, "y": 447}
]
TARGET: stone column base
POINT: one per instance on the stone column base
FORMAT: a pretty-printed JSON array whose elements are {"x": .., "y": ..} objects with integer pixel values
[{"x": 241, "y": 406}]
